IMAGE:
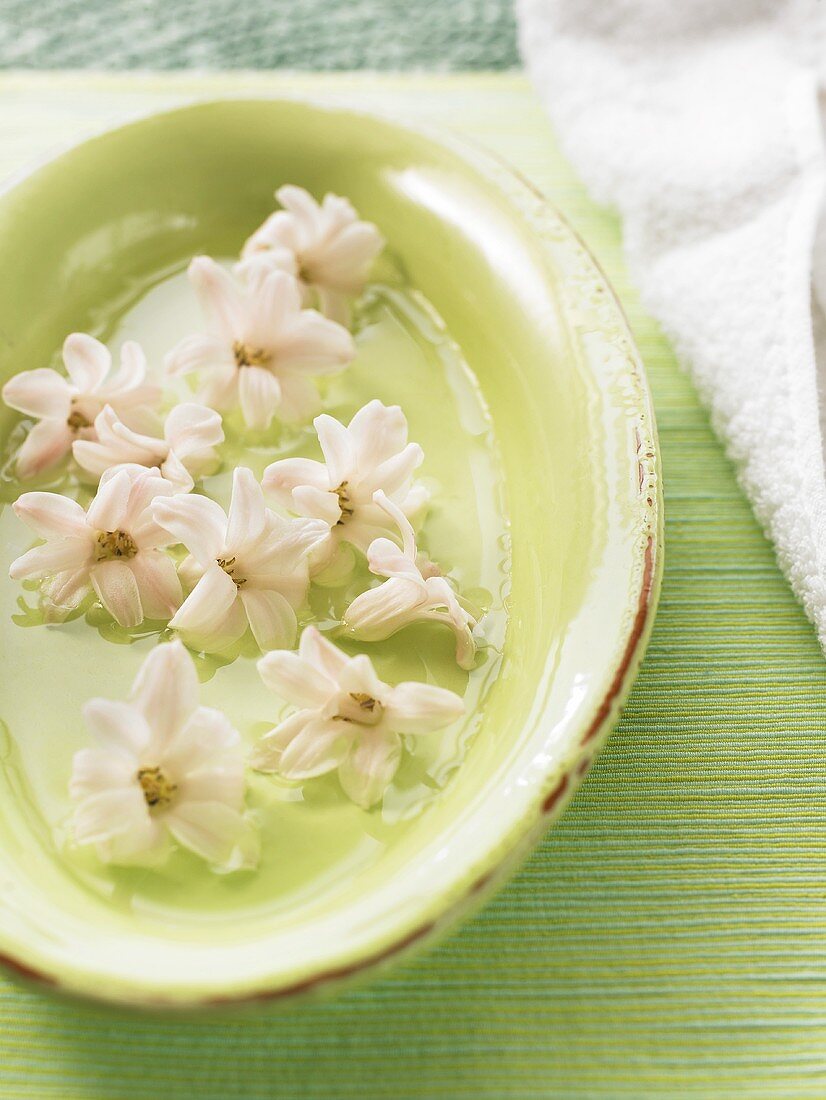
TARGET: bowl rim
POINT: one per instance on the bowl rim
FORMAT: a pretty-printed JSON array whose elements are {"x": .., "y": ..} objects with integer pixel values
[{"x": 497, "y": 862}]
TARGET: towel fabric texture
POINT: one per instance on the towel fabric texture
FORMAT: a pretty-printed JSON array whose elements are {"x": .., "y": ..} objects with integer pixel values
[{"x": 701, "y": 124}]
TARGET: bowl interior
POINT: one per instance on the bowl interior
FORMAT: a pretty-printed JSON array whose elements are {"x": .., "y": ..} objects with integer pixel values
[{"x": 548, "y": 346}]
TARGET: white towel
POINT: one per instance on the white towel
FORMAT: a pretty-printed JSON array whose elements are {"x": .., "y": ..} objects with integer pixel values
[{"x": 699, "y": 121}]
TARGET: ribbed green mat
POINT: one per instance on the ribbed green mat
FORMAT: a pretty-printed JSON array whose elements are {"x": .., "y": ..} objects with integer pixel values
[
  {"x": 668, "y": 938},
  {"x": 249, "y": 34}
]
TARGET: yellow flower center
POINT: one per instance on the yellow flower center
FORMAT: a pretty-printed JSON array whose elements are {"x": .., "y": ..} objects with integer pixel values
[
  {"x": 114, "y": 544},
  {"x": 158, "y": 789},
  {"x": 344, "y": 503},
  {"x": 76, "y": 420},
  {"x": 228, "y": 566},
  {"x": 246, "y": 355},
  {"x": 359, "y": 707}
]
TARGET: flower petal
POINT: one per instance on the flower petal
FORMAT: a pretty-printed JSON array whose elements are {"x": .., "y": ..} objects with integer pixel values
[
  {"x": 108, "y": 510},
  {"x": 207, "y": 740},
  {"x": 337, "y": 448},
  {"x": 165, "y": 690},
  {"x": 296, "y": 679},
  {"x": 177, "y": 474},
  {"x": 272, "y": 620},
  {"x": 45, "y": 445},
  {"x": 386, "y": 560},
  {"x": 197, "y": 522},
  {"x": 313, "y": 344},
  {"x": 392, "y": 474},
  {"x": 197, "y": 352},
  {"x": 51, "y": 515},
  {"x": 96, "y": 770},
  {"x": 211, "y": 830},
  {"x": 260, "y": 262},
  {"x": 220, "y": 296},
  {"x": 322, "y": 653},
  {"x": 349, "y": 255},
  {"x": 317, "y": 748},
  {"x": 322, "y": 503},
  {"x": 42, "y": 393},
  {"x": 247, "y": 512},
  {"x": 378, "y": 432},
  {"x": 259, "y": 393},
  {"x": 335, "y": 305},
  {"x": 132, "y": 370},
  {"x": 275, "y": 303},
  {"x": 117, "y": 725},
  {"x": 280, "y": 552},
  {"x": 204, "y": 612},
  {"x": 158, "y": 584},
  {"x": 359, "y": 677},
  {"x": 87, "y": 361},
  {"x": 117, "y": 589},
  {"x": 109, "y": 814},
  {"x": 146, "y": 843},
  {"x": 381, "y": 611},
  {"x": 192, "y": 428},
  {"x": 58, "y": 556},
  {"x": 146, "y": 487},
  {"x": 280, "y": 478},
  {"x": 224, "y": 784},
  {"x": 66, "y": 590},
  {"x": 412, "y": 707},
  {"x": 220, "y": 387},
  {"x": 370, "y": 766},
  {"x": 266, "y": 753},
  {"x": 300, "y": 400}
]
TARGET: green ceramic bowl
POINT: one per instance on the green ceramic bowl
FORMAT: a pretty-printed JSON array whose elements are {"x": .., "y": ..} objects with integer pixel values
[{"x": 547, "y": 342}]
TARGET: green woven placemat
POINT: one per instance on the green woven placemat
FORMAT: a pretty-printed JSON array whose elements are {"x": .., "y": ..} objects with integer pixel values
[
  {"x": 668, "y": 938},
  {"x": 249, "y": 34}
]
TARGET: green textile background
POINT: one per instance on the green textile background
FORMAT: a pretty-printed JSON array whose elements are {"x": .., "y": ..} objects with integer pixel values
[
  {"x": 668, "y": 938},
  {"x": 257, "y": 34}
]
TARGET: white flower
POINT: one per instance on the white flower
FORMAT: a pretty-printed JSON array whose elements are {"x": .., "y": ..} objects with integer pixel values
[
  {"x": 372, "y": 453},
  {"x": 249, "y": 568},
  {"x": 262, "y": 347},
  {"x": 113, "y": 548},
  {"x": 348, "y": 719},
  {"x": 164, "y": 767},
  {"x": 187, "y": 450},
  {"x": 66, "y": 407},
  {"x": 415, "y": 591},
  {"x": 325, "y": 245}
]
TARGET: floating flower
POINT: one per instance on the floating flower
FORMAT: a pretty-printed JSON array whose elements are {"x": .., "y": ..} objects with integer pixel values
[
  {"x": 348, "y": 719},
  {"x": 187, "y": 450},
  {"x": 415, "y": 591},
  {"x": 65, "y": 408},
  {"x": 113, "y": 548},
  {"x": 262, "y": 347},
  {"x": 370, "y": 454},
  {"x": 165, "y": 767},
  {"x": 249, "y": 568},
  {"x": 326, "y": 246}
]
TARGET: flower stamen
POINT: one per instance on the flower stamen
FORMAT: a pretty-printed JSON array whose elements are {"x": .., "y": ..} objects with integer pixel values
[
  {"x": 344, "y": 503},
  {"x": 157, "y": 789},
  {"x": 228, "y": 566},
  {"x": 114, "y": 544},
  {"x": 246, "y": 355},
  {"x": 360, "y": 708},
  {"x": 77, "y": 421}
]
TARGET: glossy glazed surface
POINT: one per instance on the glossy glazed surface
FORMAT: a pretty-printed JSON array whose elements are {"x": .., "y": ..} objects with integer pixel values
[{"x": 539, "y": 331}]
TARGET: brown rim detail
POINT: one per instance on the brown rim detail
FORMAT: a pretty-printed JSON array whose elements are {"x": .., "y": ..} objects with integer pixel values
[
  {"x": 554, "y": 796},
  {"x": 27, "y": 972},
  {"x": 631, "y": 646}
]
